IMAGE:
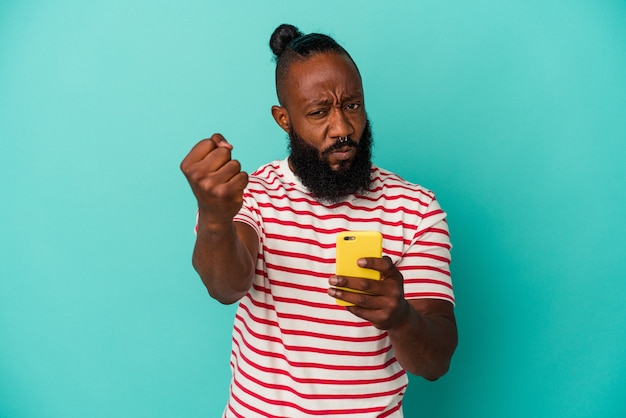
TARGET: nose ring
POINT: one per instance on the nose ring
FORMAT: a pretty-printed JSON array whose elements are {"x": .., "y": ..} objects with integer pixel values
[{"x": 343, "y": 139}]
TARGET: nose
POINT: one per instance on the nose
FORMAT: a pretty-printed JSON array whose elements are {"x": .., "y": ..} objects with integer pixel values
[{"x": 339, "y": 124}]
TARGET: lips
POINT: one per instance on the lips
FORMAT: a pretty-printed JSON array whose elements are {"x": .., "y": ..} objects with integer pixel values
[
  {"x": 347, "y": 149},
  {"x": 342, "y": 154}
]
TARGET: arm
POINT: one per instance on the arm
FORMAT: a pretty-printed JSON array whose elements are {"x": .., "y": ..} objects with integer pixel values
[
  {"x": 224, "y": 256},
  {"x": 422, "y": 331},
  {"x": 426, "y": 339},
  {"x": 225, "y": 252}
]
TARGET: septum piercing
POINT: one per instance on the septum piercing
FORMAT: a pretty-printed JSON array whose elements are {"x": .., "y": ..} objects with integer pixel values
[{"x": 343, "y": 139}]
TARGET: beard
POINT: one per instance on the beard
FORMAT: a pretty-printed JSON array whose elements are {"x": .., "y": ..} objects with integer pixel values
[{"x": 324, "y": 183}]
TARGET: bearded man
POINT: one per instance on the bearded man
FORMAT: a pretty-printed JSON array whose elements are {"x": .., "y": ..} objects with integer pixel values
[{"x": 267, "y": 241}]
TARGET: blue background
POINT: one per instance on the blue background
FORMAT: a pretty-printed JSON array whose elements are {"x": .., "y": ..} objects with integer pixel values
[{"x": 514, "y": 113}]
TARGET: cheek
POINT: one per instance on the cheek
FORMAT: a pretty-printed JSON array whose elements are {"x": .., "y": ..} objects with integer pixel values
[
  {"x": 359, "y": 123},
  {"x": 313, "y": 134}
]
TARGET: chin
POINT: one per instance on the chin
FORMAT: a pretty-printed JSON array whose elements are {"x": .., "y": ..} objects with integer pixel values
[{"x": 340, "y": 165}]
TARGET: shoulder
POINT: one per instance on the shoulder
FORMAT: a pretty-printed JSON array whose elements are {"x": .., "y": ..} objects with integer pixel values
[
  {"x": 268, "y": 176},
  {"x": 266, "y": 171},
  {"x": 391, "y": 184}
]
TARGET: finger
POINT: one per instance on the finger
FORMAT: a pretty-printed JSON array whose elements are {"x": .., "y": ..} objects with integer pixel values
[
  {"x": 231, "y": 175},
  {"x": 215, "y": 160},
  {"x": 384, "y": 265},
  {"x": 219, "y": 166},
  {"x": 347, "y": 295},
  {"x": 349, "y": 282},
  {"x": 204, "y": 148},
  {"x": 197, "y": 153},
  {"x": 239, "y": 181},
  {"x": 233, "y": 189},
  {"x": 346, "y": 285},
  {"x": 375, "y": 315},
  {"x": 220, "y": 141}
]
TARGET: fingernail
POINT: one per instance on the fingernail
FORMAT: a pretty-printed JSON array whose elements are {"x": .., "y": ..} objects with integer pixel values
[{"x": 225, "y": 144}]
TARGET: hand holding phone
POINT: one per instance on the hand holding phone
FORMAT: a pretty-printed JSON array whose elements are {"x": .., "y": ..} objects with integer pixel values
[{"x": 352, "y": 245}]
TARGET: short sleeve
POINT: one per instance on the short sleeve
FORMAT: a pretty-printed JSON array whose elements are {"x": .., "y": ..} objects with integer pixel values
[
  {"x": 249, "y": 213},
  {"x": 426, "y": 263}
]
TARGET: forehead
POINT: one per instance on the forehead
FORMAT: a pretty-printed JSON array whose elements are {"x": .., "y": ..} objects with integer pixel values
[{"x": 321, "y": 77}]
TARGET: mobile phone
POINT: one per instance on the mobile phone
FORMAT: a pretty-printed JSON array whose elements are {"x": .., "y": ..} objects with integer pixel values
[{"x": 352, "y": 245}]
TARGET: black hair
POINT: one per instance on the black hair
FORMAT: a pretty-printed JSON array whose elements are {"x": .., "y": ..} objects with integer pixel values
[{"x": 289, "y": 44}]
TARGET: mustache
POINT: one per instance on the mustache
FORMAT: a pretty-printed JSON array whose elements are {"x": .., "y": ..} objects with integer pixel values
[{"x": 338, "y": 145}]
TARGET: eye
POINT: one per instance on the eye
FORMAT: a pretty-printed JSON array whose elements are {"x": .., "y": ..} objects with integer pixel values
[
  {"x": 353, "y": 106},
  {"x": 317, "y": 113}
]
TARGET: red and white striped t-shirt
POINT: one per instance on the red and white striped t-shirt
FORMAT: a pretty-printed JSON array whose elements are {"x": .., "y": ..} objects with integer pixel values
[{"x": 296, "y": 353}]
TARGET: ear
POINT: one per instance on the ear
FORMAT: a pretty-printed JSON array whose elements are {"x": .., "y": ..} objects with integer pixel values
[{"x": 281, "y": 117}]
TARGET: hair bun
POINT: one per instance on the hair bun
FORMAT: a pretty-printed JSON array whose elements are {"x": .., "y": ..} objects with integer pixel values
[{"x": 282, "y": 37}]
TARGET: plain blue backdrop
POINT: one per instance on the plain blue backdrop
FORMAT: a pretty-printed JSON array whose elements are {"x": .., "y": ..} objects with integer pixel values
[{"x": 514, "y": 113}]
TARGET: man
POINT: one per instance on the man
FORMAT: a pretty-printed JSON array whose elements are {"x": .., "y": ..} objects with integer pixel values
[{"x": 267, "y": 241}]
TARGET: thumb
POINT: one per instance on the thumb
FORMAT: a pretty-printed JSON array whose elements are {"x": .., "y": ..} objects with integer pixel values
[{"x": 220, "y": 141}]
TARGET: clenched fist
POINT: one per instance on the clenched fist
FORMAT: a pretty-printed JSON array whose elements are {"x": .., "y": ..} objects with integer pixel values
[{"x": 215, "y": 179}]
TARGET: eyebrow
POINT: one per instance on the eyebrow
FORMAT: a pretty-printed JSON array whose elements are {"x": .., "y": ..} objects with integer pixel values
[{"x": 324, "y": 102}]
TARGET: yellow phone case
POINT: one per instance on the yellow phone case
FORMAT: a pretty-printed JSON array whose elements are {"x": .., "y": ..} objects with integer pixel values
[{"x": 352, "y": 245}]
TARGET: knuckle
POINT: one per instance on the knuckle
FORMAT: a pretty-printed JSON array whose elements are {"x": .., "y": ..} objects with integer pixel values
[
  {"x": 341, "y": 281},
  {"x": 221, "y": 191},
  {"x": 221, "y": 153},
  {"x": 388, "y": 263},
  {"x": 356, "y": 311},
  {"x": 225, "y": 192},
  {"x": 235, "y": 165},
  {"x": 198, "y": 177},
  {"x": 366, "y": 284},
  {"x": 244, "y": 177}
]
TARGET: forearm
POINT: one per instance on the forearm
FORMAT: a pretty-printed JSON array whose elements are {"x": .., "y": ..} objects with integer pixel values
[
  {"x": 425, "y": 342},
  {"x": 223, "y": 262}
]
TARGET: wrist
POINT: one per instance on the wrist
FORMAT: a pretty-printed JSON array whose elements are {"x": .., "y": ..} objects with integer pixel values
[
  {"x": 208, "y": 224},
  {"x": 405, "y": 318}
]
